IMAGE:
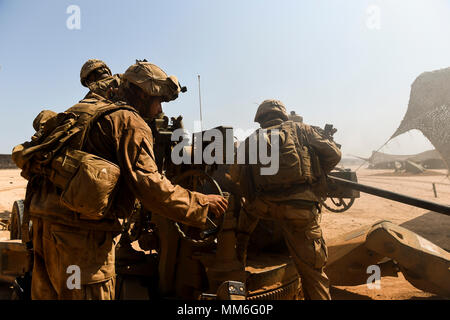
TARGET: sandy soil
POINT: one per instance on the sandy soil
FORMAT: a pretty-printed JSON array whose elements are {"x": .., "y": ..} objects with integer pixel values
[
  {"x": 366, "y": 210},
  {"x": 12, "y": 187}
]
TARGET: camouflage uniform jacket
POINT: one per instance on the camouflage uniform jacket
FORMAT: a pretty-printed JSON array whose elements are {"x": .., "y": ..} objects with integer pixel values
[
  {"x": 327, "y": 151},
  {"x": 125, "y": 139}
]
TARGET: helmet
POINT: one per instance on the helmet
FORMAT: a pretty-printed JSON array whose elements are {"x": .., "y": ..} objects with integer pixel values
[
  {"x": 267, "y": 107},
  {"x": 41, "y": 118},
  {"x": 152, "y": 80},
  {"x": 89, "y": 66}
]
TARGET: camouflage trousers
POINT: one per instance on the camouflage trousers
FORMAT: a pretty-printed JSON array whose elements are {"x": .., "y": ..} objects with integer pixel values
[
  {"x": 302, "y": 235},
  {"x": 61, "y": 250}
]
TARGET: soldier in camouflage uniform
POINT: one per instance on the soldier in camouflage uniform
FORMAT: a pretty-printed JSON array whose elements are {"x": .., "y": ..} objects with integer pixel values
[
  {"x": 92, "y": 71},
  {"x": 295, "y": 205},
  {"x": 96, "y": 76},
  {"x": 62, "y": 237}
]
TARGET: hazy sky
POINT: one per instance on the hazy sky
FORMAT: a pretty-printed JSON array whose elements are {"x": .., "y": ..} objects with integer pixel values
[{"x": 346, "y": 62}]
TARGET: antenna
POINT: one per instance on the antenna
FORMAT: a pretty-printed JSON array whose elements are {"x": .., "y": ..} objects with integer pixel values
[{"x": 200, "y": 103}]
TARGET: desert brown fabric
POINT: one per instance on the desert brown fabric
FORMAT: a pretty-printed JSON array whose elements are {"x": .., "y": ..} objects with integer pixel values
[
  {"x": 62, "y": 237},
  {"x": 123, "y": 138},
  {"x": 271, "y": 108},
  {"x": 325, "y": 152},
  {"x": 104, "y": 87},
  {"x": 303, "y": 238},
  {"x": 293, "y": 206},
  {"x": 56, "y": 247},
  {"x": 41, "y": 118},
  {"x": 89, "y": 66},
  {"x": 90, "y": 190},
  {"x": 152, "y": 80},
  {"x": 298, "y": 161}
]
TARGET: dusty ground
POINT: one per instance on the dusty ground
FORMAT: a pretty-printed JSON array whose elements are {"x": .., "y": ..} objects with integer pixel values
[
  {"x": 366, "y": 210},
  {"x": 12, "y": 187}
]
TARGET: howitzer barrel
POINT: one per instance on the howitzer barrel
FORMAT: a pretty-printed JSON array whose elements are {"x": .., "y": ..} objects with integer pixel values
[{"x": 429, "y": 205}]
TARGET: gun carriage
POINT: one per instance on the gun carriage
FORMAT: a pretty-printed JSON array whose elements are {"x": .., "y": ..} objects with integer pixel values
[{"x": 159, "y": 258}]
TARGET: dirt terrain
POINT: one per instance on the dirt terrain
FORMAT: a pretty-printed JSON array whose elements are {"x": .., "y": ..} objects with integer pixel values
[{"x": 366, "y": 210}]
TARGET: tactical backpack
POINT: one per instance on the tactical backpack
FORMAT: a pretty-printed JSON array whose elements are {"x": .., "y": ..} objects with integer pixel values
[
  {"x": 86, "y": 182},
  {"x": 298, "y": 162}
]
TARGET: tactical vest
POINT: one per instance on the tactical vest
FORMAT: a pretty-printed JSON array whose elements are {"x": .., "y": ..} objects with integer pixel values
[
  {"x": 298, "y": 163},
  {"x": 86, "y": 182}
]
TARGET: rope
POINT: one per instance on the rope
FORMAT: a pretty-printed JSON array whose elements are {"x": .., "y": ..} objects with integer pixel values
[{"x": 375, "y": 151}]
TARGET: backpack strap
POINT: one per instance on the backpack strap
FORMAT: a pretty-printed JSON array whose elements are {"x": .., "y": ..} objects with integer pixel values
[
  {"x": 76, "y": 119},
  {"x": 100, "y": 112}
]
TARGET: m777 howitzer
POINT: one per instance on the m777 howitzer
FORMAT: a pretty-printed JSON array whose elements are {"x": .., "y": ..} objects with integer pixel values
[
  {"x": 388, "y": 247},
  {"x": 191, "y": 263},
  {"x": 203, "y": 264},
  {"x": 384, "y": 244},
  {"x": 158, "y": 258},
  {"x": 381, "y": 246},
  {"x": 343, "y": 189},
  {"x": 334, "y": 180}
]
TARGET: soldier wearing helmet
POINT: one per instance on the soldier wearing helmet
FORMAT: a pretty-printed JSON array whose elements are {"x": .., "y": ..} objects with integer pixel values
[
  {"x": 96, "y": 76},
  {"x": 145, "y": 86},
  {"x": 291, "y": 196},
  {"x": 270, "y": 111},
  {"x": 92, "y": 71},
  {"x": 63, "y": 238}
]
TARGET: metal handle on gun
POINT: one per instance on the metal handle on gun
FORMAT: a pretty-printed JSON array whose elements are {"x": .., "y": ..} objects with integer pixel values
[{"x": 206, "y": 233}]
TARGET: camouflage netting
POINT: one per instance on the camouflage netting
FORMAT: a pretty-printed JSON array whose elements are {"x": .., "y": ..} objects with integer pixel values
[{"x": 429, "y": 110}]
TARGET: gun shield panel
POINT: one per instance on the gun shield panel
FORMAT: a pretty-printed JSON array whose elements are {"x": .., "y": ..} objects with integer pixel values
[{"x": 424, "y": 264}]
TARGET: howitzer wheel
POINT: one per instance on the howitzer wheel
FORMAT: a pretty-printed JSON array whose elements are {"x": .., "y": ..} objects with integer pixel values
[
  {"x": 338, "y": 204},
  {"x": 200, "y": 181},
  {"x": 16, "y": 220}
]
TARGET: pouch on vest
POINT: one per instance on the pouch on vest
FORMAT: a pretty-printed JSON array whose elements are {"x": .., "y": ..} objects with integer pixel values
[
  {"x": 294, "y": 160},
  {"x": 88, "y": 182}
]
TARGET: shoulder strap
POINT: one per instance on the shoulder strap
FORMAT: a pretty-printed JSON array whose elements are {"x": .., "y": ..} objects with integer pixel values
[
  {"x": 298, "y": 137},
  {"x": 300, "y": 130},
  {"x": 71, "y": 129},
  {"x": 100, "y": 112}
]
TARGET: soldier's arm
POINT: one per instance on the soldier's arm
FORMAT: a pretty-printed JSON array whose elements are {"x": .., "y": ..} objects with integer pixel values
[
  {"x": 134, "y": 152},
  {"x": 326, "y": 149}
]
